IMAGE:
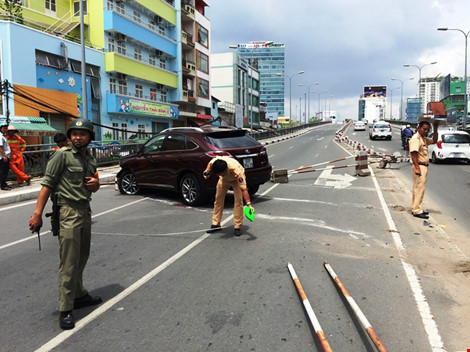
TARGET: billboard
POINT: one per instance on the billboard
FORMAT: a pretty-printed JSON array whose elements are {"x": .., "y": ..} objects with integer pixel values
[
  {"x": 375, "y": 92},
  {"x": 444, "y": 87}
]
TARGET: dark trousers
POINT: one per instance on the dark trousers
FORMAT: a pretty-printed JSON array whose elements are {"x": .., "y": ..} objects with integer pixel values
[{"x": 4, "y": 167}]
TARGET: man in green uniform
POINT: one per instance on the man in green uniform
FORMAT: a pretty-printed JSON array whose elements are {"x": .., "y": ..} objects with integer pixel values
[{"x": 71, "y": 174}]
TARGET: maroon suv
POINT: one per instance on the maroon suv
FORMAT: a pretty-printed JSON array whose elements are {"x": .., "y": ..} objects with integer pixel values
[{"x": 176, "y": 158}]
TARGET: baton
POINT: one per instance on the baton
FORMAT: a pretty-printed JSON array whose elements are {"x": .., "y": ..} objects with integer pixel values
[{"x": 39, "y": 237}]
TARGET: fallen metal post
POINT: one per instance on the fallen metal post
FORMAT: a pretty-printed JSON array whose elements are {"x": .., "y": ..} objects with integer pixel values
[
  {"x": 322, "y": 169},
  {"x": 362, "y": 318},
  {"x": 323, "y": 163},
  {"x": 311, "y": 314}
]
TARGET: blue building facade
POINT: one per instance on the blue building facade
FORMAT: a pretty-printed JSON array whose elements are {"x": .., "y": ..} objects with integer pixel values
[{"x": 270, "y": 62}]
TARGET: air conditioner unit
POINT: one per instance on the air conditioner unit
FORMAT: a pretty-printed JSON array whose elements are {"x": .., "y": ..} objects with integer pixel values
[
  {"x": 158, "y": 19},
  {"x": 122, "y": 76}
]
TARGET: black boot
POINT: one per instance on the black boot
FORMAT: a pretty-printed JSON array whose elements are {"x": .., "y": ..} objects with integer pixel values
[
  {"x": 66, "y": 320},
  {"x": 86, "y": 301}
]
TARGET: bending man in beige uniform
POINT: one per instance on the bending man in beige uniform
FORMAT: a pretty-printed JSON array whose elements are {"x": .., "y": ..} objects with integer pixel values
[
  {"x": 420, "y": 158},
  {"x": 231, "y": 174}
]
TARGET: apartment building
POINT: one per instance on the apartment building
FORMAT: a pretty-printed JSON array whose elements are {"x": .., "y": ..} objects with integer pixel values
[
  {"x": 147, "y": 63},
  {"x": 235, "y": 81}
]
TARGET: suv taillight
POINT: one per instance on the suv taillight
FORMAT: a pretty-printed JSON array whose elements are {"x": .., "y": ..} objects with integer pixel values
[
  {"x": 216, "y": 153},
  {"x": 263, "y": 151},
  {"x": 439, "y": 144}
]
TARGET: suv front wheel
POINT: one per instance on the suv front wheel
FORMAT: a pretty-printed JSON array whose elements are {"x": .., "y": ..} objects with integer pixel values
[
  {"x": 127, "y": 184},
  {"x": 190, "y": 190}
]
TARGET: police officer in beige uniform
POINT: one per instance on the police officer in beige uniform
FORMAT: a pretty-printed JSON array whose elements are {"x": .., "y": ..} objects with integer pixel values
[
  {"x": 71, "y": 173},
  {"x": 420, "y": 158},
  {"x": 231, "y": 174}
]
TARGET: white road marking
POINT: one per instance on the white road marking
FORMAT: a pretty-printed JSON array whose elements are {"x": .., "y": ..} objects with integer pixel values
[
  {"x": 429, "y": 324},
  {"x": 46, "y": 232},
  {"x": 424, "y": 309}
]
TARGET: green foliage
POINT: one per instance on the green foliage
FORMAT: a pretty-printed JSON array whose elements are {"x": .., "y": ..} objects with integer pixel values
[{"x": 13, "y": 9}]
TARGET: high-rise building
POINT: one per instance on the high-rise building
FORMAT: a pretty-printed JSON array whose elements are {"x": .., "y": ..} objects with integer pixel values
[
  {"x": 270, "y": 61},
  {"x": 230, "y": 75}
]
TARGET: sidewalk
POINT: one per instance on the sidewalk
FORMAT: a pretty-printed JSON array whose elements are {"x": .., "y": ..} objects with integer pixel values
[{"x": 107, "y": 174}]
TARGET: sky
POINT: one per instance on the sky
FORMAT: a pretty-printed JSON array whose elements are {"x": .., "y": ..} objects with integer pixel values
[{"x": 348, "y": 44}]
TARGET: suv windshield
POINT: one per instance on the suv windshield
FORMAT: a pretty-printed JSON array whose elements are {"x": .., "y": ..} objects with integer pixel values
[
  {"x": 228, "y": 140},
  {"x": 455, "y": 138}
]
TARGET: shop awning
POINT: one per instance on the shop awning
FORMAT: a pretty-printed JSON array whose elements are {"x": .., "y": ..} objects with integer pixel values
[
  {"x": 30, "y": 126},
  {"x": 204, "y": 117}
]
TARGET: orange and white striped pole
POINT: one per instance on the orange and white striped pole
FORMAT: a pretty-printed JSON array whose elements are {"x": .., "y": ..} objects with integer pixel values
[
  {"x": 362, "y": 318},
  {"x": 311, "y": 314}
]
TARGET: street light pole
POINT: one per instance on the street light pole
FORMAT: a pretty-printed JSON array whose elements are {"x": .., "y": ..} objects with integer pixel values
[
  {"x": 401, "y": 101},
  {"x": 419, "y": 82},
  {"x": 290, "y": 93},
  {"x": 465, "y": 118},
  {"x": 308, "y": 94}
]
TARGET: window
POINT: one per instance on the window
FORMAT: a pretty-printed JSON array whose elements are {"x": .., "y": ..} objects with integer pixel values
[
  {"x": 76, "y": 8},
  {"x": 115, "y": 131},
  {"x": 95, "y": 88},
  {"x": 112, "y": 85},
  {"x": 120, "y": 7},
  {"x": 139, "y": 91},
  {"x": 203, "y": 88},
  {"x": 51, "y": 60},
  {"x": 141, "y": 131},
  {"x": 154, "y": 145},
  {"x": 151, "y": 24},
  {"x": 110, "y": 44},
  {"x": 50, "y": 5},
  {"x": 138, "y": 54},
  {"x": 121, "y": 47},
  {"x": 161, "y": 30},
  {"x": 109, "y": 4},
  {"x": 136, "y": 17},
  {"x": 202, "y": 62},
  {"x": 163, "y": 63},
  {"x": 152, "y": 60},
  {"x": 153, "y": 94},
  {"x": 163, "y": 95},
  {"x": 174, "y": 142},
  {"x": 122, "y": 87},
  {"x": 124, "y": 132},
  {"x": 202, "y": 36}
]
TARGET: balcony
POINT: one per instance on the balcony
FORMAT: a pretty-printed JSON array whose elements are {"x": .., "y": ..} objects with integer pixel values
[
  {"x": 189, "y": 68},
  {"x": 188, "y": 11}
]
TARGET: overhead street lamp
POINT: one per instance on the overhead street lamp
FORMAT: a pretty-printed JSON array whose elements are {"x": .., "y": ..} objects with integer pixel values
[
  {"x": 419, "y": 82},
  {"x": 290, "y": 93},
  {"x": 465, "y": 118},
  {"x": 391, "y": 101},
  {"x": 250, "y": 66},
  {"x": 401, "y": 101},
  {"x": 308, "y": 94}
]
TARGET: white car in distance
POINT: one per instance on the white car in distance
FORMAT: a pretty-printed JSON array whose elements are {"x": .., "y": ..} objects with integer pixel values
[
  {"x": 359, "y": 126},
  {"x": 451, "y": 145}
]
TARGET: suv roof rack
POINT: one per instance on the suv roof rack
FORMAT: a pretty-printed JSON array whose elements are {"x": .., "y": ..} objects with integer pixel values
[{"x": 182, "y": 129}]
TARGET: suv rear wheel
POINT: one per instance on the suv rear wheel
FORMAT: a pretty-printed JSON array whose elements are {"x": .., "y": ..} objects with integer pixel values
[
  {"x": 190, "y": 190},
  {"x": 127, "y": 184}
]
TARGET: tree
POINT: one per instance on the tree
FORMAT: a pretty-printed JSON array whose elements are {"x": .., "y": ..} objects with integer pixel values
[{"x": 13, "y": 9}]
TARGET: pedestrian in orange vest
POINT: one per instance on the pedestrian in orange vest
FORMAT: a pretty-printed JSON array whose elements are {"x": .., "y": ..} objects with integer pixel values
[{"x": 17, "y": 146}]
